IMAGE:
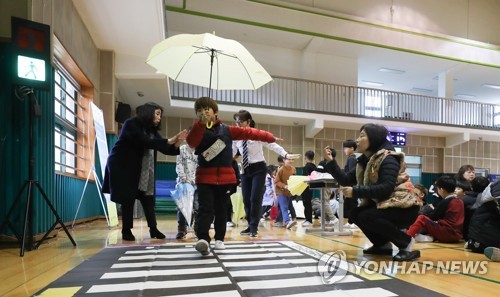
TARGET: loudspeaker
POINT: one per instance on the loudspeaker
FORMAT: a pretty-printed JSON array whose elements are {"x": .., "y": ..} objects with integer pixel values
[{"x": 123, "y": 112}]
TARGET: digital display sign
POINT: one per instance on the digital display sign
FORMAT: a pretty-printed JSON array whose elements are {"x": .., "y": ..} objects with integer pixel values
[
  {"x": 30, "y": 68},
  {"x": 31, "y": 54},
  {"x": 397, "y": 138}
]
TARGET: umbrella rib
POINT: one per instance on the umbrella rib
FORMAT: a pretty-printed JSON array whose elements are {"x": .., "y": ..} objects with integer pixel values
[
  {"x": 248, "y": 74},
  {"x": 187, "y": 60}
]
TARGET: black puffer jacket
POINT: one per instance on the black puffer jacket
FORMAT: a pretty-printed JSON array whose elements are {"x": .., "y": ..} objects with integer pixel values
[
  {"x": 485, "y": 224},
  {"x": 387, "y": 176}
]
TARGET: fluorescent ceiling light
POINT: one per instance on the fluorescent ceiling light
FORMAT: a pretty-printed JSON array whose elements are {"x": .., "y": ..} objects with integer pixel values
[
  {"x": 437, "y": 78},
  {"x": 420, "y": 90},
  {"x": 393, "y": 71},
  {"x": 492, "y": 86},
  {"x": 372, "y": 83},
  {"x": 464, "y": 96}
]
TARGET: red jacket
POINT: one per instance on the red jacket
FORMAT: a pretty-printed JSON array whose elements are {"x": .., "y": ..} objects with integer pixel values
[{"x": 223, "y": 175}]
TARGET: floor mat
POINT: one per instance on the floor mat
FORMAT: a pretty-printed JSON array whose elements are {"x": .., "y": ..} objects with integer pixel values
[{"x": 242, "y": 269}]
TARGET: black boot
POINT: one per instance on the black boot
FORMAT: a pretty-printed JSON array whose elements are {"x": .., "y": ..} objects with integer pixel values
[
  {"x": 154, "y": 233},
  {"x": 127, "y": 235}
]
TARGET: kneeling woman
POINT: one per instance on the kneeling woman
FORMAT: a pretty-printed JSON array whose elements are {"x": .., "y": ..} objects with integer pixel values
[
  {"x": 130, "y": 170},
  {"x": 389, "y": 202}
]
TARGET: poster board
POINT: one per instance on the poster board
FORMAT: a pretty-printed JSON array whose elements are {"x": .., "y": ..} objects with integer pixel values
[{"x": 102, "y": 147}]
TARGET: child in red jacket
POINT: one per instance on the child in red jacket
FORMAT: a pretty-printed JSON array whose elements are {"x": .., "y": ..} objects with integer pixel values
[
  {"x": 445, "y": 223},
  {"x": 215, "y": 175}
]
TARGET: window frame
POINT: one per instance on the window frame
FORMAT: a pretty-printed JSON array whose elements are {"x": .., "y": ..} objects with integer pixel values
[{"x": 82, "y": 126}]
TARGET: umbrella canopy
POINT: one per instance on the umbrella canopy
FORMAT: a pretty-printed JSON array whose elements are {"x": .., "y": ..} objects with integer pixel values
[
  {"x": 209, "y": 61},
  {"x": 184, "y": 197}
]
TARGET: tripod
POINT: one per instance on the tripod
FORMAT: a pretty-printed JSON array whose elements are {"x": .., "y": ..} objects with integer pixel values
[{"x": 31, "y": 185}]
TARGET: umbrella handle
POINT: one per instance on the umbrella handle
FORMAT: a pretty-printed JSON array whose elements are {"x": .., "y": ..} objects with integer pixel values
[{"x": 210, "y": 125}]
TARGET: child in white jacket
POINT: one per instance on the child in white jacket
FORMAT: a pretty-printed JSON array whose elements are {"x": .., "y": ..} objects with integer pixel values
[{"x": 269, "y": 199}]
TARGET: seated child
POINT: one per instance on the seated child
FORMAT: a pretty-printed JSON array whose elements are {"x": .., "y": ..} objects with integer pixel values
[
  {"x": 477, "y": 186},
  {"x": 485, "y": 224},
  {"x": 446, "y": 221}
]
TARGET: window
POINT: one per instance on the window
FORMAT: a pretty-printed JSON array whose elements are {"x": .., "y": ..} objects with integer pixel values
[{"x": 69, "y": 130}]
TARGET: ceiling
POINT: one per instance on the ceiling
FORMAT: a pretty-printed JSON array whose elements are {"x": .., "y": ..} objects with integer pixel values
[{"x": 131, "y": 27}]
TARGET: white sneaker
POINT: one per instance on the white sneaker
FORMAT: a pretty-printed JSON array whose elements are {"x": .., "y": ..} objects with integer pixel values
[
  {"x": 219, "y": 245},
  {"x": 202, "y": 247},
  {"x": 335, "y": 221},
  {"x": 347, "y": 226},
  {"x": 291, "y": 224},
  {"x": 230, "y": 224},
  {"x": 423, "y": 238},
  {"x": 353, "y": 226},
  {"x": 262, "y": 220},
  {"x": 306, "y": 224}
]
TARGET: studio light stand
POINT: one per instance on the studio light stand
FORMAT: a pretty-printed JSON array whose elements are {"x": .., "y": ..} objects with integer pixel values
[{"x": 31, "y": 185}]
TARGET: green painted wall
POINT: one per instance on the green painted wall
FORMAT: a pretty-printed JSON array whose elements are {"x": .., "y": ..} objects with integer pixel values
[{"x": 62, "y": 191}]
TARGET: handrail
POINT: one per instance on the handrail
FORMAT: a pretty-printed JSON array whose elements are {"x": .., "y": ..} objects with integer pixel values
[{"x": 320, "y": 97}]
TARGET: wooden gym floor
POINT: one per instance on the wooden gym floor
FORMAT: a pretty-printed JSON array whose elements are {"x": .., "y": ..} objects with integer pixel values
[{"x": 24, "y": 276}]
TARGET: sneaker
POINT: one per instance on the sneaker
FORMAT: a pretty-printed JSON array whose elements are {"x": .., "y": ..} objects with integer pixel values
[
  {"x": 262, "y": 220},
  {"x": 245, "y": 232},
  {"x": 347, "y": 226},
  {"x": 278, "y": 224},
  {"x": 306, "y": 224},
  {"x": 467, "y": 245},
  {"x": 202, "y": 247},
  {"x": 180, "y": 235},
  {"x": 219, "y": 245},
  {"x": 291, "y": 224},
  {"x": 423, "y": 238},
  {"x": 212, "y": 226},
  {"x": 354, "y": 226},
  {"x": 230, "y": 224},
  {"x": 253, "y": 234},
  {"x": 492, "y": 253}
]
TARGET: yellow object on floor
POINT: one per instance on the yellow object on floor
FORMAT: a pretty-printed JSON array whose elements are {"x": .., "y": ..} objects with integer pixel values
[{"x": 238, "y": 207}]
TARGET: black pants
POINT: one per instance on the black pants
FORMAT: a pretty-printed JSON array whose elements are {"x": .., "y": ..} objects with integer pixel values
[
  {"x": 252, "y": 189},
  {"x": 212, "y": 201},
  {"x": 349, "y": 205},
  {"x": 384, "y": 225},
  {"x": 229, "y": 208},
  {"x": 148, "y": 204},
  {"x": 307, "y": 201}
]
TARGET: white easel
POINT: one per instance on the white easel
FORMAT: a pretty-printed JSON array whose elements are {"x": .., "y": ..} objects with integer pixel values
[{"x": 92, "y": 171}]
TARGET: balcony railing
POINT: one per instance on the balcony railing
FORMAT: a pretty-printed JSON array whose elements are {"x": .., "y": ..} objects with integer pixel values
[{"x": 318, "y": 97}]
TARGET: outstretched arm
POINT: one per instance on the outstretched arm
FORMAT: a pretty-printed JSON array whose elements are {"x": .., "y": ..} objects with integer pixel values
[{"x": 238, "y": 133}]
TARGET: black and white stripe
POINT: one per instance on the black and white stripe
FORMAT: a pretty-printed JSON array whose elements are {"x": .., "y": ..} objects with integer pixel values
[{"x": 242, "y": 269}]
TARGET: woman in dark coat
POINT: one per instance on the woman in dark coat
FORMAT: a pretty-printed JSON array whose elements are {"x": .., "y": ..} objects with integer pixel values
[
  {"x": 389, "y": 202},
  {"x": 130, "y": 168}
]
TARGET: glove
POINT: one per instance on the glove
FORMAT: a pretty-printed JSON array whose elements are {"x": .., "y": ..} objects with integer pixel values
[{"x": 292, "y": 156}]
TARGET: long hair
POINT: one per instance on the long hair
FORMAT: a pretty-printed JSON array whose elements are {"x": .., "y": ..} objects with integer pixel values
[{"x": 146, "y": 113}]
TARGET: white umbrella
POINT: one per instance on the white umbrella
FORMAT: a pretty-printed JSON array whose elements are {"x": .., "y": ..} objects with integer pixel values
[{"x": 209, "y": 61}]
